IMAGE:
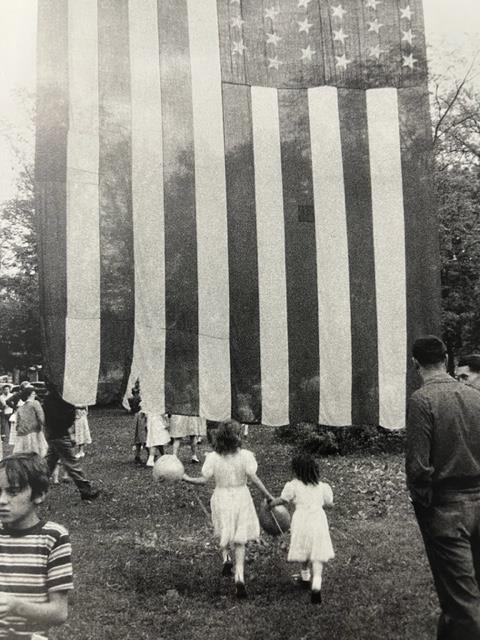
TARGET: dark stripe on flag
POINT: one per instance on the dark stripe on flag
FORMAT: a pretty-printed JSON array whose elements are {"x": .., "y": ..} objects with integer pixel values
[
  {"x": 242, "y": 254},
  {"x": 115, "y": 197},
  {"x": 181, "y": 278},
  {"x": 421, "y": 225},
  {"x": 358, "y": 201},
  {"x": 300, "y": 255},
  {"x": 50, "y": 179}
]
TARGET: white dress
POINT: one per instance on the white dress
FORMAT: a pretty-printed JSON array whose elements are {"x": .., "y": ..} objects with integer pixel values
[
  {"x": 233, "y": 513},
  {"x": 310, "y": 536},
  {"x": 82, "y": 430}
]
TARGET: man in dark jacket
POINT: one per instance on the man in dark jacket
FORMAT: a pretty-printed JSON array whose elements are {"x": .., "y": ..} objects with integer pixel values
[
  {"x": 443, "y": 477},
  {"x": 59, "y": 417}
]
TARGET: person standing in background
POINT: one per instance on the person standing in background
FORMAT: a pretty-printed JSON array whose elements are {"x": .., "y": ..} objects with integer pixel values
[{"x": 443, "y": 478}]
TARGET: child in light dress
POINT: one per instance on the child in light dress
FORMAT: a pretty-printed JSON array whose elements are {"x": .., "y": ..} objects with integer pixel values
[
  {"x": 81, "y": 430},
  {"x": 30, "y": 425},
  {"x": 234, "y": 518},
  {"x": 310, "y": 541},
  {"x": 192, "y": 427}
]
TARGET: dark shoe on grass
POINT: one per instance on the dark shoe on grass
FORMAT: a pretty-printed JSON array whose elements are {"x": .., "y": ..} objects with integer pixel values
[
  {"x": 227, "y": 569},
  {"x": 316, "y": 597},
  {"x": 240, "y": 591},
  {"x": 93, "y": 495},
  {"x": 300, "y": 582}
]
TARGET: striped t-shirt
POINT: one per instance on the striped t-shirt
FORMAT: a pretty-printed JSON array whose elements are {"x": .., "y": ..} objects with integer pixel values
[{"x": 33, "y": 563}]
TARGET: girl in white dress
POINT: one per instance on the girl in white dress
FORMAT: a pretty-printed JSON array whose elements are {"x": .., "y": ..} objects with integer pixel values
[
  {"x": 81, "y": 430},
  {"x": 310, "y": 541},
  {"x": 234, "y": 517}
]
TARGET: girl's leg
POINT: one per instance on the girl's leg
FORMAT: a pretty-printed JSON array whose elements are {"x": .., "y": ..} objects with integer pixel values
[
  {"x": 227, "y": 562},
  {"x": 317, "y": 568},
  {"x": 305, "y": 572},
  {"x": 239, "y": 570},
  {"x": 193, "y": 447},
  {"x": 81, "y": 452},
  {"x": 138, "y": 450},
  {"x": 176, "y": 446}
]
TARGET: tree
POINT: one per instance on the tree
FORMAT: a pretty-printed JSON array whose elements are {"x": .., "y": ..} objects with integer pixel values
[
  {"x": 456, "y": 145},
  {"x": 19, "y": 291}
]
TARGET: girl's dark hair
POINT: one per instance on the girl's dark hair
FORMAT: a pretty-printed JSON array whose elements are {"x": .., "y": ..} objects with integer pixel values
[
  {"x": 305, "y": 468},
  {"x": 227, "y": 439},
  {"x": 26, "y": 470}
]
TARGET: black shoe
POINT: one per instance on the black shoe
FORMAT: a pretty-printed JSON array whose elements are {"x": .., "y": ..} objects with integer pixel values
[
  {"x": 227, "y": 570},
  {"x": 91, "y": 496},
  {"x": 138, "y": 460},
  {"x": 316, "y": 597},
  {"x": 301, "y": 584},
  {"x": 240, "y": 591}
]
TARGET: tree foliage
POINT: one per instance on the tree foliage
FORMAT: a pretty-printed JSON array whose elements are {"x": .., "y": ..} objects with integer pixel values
[
  {"x": 19, "y": 291},
  {"x": 456, "y": 145}
]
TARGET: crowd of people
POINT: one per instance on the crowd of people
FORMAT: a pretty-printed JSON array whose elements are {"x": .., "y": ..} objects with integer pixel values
[{"x": 442, "y": 472}]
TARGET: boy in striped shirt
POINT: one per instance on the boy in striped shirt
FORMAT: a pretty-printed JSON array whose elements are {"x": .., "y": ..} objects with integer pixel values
[{"x": 35, "y": 556}]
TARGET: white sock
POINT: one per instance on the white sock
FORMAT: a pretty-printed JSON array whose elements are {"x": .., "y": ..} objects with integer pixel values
[
  {"x": 316, "y": 583},
  {"x": 306, "y": 575}
]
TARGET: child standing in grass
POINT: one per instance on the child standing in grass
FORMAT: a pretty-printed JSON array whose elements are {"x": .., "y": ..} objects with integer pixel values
[
  {"x": 81, "y": 431},
  {"x": 35, "y": 556},
  {"x": 234, "y": 517},
  {"x": 310, "y": 541}
]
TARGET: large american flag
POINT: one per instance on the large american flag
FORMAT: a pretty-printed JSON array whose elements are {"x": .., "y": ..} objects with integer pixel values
[{"x": 234, "y": 205}]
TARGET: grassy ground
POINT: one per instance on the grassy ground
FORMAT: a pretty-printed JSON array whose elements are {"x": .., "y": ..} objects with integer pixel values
[{"x": 146, "y": 566}]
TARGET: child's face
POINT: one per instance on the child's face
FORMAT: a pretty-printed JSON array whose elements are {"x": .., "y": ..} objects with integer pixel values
[{"x": 17, "y": 509}]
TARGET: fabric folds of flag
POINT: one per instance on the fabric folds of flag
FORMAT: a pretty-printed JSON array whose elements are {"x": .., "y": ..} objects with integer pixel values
[{"x": 234, "y": 205}]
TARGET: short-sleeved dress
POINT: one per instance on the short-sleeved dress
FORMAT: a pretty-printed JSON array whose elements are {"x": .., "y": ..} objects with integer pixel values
[
  {"x": 233, "y": 513},
  {"x": 310, "y": 535},
  {"x": 182, "y": 426}
]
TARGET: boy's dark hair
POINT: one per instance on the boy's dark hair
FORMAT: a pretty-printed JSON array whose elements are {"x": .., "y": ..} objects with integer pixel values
[
  {"x": 26, "y": 469},
  {"x": 429, "y": 350},
  {"x": 227, "y": 437},
  {"x": 305, "y": 468},
  {"x": 472, "y": 362}
]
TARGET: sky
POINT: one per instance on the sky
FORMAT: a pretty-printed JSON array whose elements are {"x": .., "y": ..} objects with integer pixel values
[{"x": 449, "y": 24}]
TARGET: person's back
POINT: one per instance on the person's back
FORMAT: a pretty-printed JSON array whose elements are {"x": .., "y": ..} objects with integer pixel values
[
  {"x": 59, "y": 415},
  {"x": 453, "y": 411}
]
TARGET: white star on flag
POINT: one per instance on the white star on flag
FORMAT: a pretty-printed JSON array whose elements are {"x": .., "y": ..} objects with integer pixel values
[
  {"x": 376, "y": 52},
  {"x": 342, "y": 61},
  {"x": 407, "y": 13},
  {"x": 307, "y": 53},
  {"x": 372, "y": 4},
  {"x": 234, "y": 1},
  {"x": 237, "y": 22},
  {"x": 303, "y": 3},
  {"x": 239, "y": 47},
  {"x": 304, "y": 26},
  {"x": 338, "y": 12},
  {"x": 409, "y": 61},
  {"x": 340, "y": 36},
  {"x": 274, "y": 63},
  {"x": 375, "y": 26},
  {"x": 407, "y": 36},
  {"x": 271, "y": 13},
  {"x": 273, "y": 38}
]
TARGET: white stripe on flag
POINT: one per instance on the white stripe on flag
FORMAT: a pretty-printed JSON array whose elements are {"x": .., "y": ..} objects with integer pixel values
[
  {"x": 147, "y": 199},
  {"x": 82, "y": 348},
  {"x": 271, "y": 256},
  {"x": 389, "y": 247},
  {"x": 211, "y": 212},
  {"x": 332, "y": 258}
]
